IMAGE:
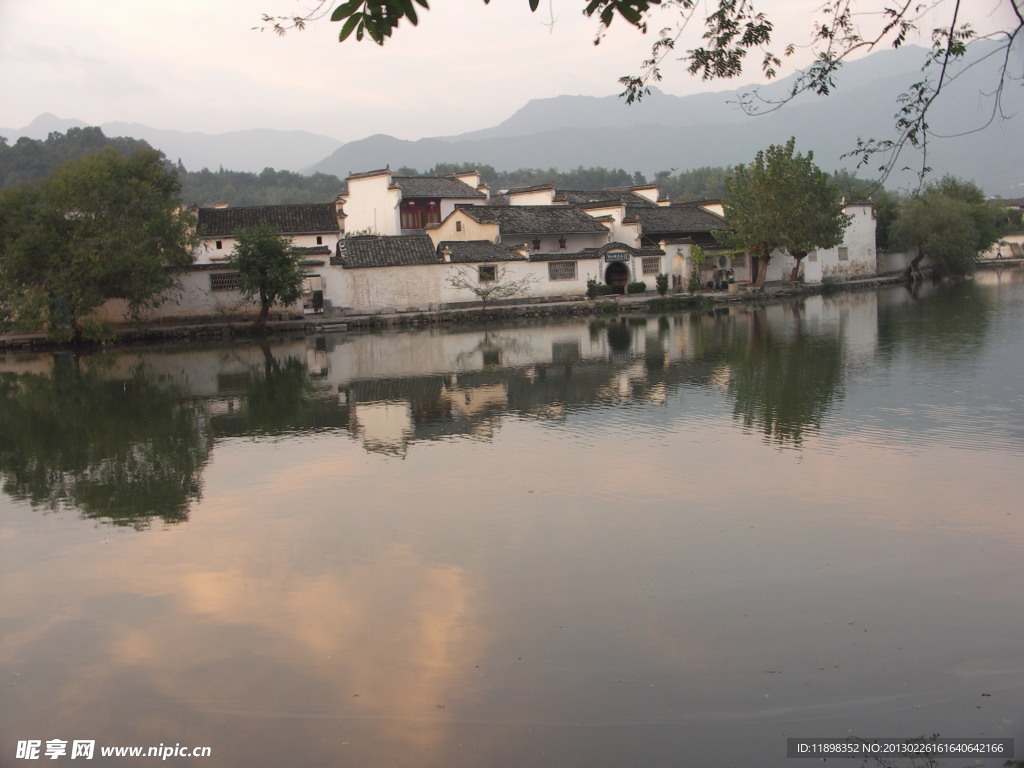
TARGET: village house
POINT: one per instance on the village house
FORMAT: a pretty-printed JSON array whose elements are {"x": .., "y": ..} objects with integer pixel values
[
  {"x": 565, "y": 246},
  {"x": 314, "y": 229},
  {"x": 381, "y": 203},
  {"x": 854, "y": 258},
  {"x": 398, "y": 243}
]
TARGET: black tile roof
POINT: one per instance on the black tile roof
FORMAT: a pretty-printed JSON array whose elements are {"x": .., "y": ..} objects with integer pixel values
[
  {"x": 472, "y": 251},
  {"x": 535, "y": 219},
  {"x": 582, "y": 197},
  {"x": 385, "y": 251},
  {"x": 677, "y": 220},
  {"x": 435, "y": 186},
  {"x": 284, "y": 219}
]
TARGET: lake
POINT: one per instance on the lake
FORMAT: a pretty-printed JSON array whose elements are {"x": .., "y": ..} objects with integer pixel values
[{"x": 613, "y": 541}]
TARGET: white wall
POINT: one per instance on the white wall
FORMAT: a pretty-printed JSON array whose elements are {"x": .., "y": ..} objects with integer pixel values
[
  {"x": 191, "y": 299},
  {"x": 533, "y": 197},
  {"x": 208, "y": 253},
  {"x": 371, "y": 205}
]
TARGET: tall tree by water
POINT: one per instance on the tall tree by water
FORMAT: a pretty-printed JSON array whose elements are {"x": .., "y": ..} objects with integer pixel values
[
  {"x": 782, "y": 200},
  {"x": 108, "y": 226},
  {"x": 269, "y": 267},
  {"x": 949, "y": 223}
]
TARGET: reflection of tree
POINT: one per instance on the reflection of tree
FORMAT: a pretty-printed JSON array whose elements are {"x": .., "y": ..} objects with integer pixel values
[
  {"x": 493, "y": 348},
  {"x": 941, "y": 323},
  {"x": 278, "y": 398},
  {"x": 124, "y": 450},
  {"x": 783, "y": 385}
]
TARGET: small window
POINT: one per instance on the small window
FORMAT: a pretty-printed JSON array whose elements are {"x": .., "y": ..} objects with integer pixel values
[
  {"x": 458, "y": 226},
  {"x": 739, "y": 261},
  {"x": 844, "y": 253},
  {"x": 652, "y": 265},
  {"x": 220, "y": 245},
  {"x": 487, "y": 273},
  {"x": 536, "y": 245},
  {"x": 319, "y": 240},
  {"x": 562, "y": 270},
  {"x": 561, "y": 243},
  {"x": 224, "y": 281}
]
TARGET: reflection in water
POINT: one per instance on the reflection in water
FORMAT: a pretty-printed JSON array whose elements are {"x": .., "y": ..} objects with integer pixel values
[
  {"x": 120, "y": 449},
  {"x": 276, "y": 397},
  {"x": 784, "y": 383},
  {"x": 568, "y": 543}
]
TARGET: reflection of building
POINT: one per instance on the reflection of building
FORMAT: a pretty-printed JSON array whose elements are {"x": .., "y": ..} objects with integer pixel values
[{"x": 391, "y": 390}]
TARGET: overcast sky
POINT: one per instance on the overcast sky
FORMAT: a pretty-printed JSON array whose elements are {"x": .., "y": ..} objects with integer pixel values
[{"x": 198, "y": 65}]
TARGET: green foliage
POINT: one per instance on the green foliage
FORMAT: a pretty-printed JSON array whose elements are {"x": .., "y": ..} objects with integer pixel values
[
  {"x": 699, "y": 260},
  {"x": 704, "y": 183},
  {"x": 30, "y": 161},
  {"x": 270, "y": 269},
  {"x": 782, "y": 200},
  {"x": 950, "y": 224},
  {"x": 661, "y": 281},
  {"x": 269, "y": 187},
  {"x": 377, "y": 20},
  {"x": 577, "y": 178},
  {"x": 104, "y": 227},
  {"x": 636, "y": 287},
  {"x": 596, "y": 288}
]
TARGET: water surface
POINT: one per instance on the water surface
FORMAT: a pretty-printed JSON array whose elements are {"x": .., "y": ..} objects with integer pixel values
[{"x": 660, "y": 541}]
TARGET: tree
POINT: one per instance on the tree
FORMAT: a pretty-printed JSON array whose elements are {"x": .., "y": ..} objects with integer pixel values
[
  {"x": 490, "y": 282},
  {"x": 733, "y": 29},
  {"x": 949, "y": 223},
  {"x": 270, "y": 269},
  {"x": 105, "y": 227},
  {"x": 782, "y": 200}
]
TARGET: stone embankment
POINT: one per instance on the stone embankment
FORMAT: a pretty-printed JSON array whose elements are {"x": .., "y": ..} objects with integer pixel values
[{"x": 221, "y": 329}]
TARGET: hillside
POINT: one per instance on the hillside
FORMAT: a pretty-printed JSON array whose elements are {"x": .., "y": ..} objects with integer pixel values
[{"x": 680, "y": 132}]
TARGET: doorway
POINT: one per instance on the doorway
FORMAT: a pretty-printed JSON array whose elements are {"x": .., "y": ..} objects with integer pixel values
[{"x": 617, "y": 275}]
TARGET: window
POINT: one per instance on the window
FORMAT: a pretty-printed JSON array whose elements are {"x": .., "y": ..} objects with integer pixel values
[
  {"x": 561, "y": 243},
  {"x": 220, "y": 244},
  {"x": 458, "y": 226},
  {"x": 536, "y": 245},
  {"x": 561, "y": 270},
  {"x": 739, "y": 261},
  {"x": 319, "y": 240},
  {"x": 812, "y": 256},
  {"x": 487, "y": 273},
  {"x": 844, "y": 253},
  {"x": 224, "y": 281},
  {"x": 651, "y": 265}
]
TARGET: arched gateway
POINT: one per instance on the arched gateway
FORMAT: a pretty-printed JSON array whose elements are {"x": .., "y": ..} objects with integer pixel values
[{"x": 617, "y": 275}]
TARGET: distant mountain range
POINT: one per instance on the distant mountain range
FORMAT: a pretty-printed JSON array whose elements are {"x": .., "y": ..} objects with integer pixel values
[
  {"x": 662, "y": 132},
  {"x": 251, "y": 150}
]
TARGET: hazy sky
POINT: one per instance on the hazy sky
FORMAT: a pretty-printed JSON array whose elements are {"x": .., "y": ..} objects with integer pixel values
[{"x": 198, "y": 65}]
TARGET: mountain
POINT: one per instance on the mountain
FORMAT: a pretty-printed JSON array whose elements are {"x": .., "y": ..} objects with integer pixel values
[
  {"x": 250, "y": 150},
  {"x": 667, "y": 132}
]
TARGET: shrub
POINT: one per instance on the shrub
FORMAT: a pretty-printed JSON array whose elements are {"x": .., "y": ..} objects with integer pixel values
[
  {"x": 661, "y": 281},
  {"x": 637, "y": 287},
  {"x": 595, "y": 289}
]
